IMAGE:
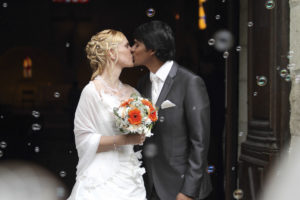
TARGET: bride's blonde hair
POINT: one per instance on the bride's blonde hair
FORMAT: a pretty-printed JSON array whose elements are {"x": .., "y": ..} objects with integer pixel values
[{"x": 98, "y": 48}]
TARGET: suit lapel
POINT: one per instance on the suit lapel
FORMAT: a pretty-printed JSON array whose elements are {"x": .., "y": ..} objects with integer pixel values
[{"x": 167, "y": 85}]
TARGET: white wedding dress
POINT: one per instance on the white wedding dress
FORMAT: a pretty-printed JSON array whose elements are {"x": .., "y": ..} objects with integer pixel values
[{"x": 111, "y": 175}]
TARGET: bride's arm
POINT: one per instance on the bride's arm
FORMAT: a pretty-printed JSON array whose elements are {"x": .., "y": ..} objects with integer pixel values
[{"x": 108, "y": 143}]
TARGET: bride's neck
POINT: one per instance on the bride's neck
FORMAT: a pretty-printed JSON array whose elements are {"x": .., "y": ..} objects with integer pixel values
[{"x": 111, "y": 77}]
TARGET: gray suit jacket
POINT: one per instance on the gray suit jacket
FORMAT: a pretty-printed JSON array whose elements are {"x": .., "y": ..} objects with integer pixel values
[{"x": 182, "y": 138}]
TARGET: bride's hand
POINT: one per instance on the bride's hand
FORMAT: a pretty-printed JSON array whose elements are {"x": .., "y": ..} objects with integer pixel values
[{"x": 135, "y": 138}]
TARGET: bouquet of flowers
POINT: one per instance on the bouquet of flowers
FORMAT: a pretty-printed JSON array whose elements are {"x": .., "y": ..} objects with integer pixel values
[{"x": 136, "y": 115}]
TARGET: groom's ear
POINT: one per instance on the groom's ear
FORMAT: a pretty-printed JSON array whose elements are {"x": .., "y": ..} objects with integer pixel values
[{"x": 152, "y": 52}]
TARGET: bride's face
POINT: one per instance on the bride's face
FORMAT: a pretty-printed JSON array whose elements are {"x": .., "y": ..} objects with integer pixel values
[{"x": 124, "y": 54}]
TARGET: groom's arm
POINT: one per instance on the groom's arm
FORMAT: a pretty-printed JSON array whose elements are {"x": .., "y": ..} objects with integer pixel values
[{"x": 197, "y": 114}]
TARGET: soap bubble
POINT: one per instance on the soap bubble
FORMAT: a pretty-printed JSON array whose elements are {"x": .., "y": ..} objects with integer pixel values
[
  {"x": 3, "y": 144},
  {"x": 238, "y": 194},
  {"x": 150, "y": 12},
  {"x": 211, "y": 42},
  {"x": 210, "y": 169},
  {"x": 270, "y": 4},
  {"x": 56, "y": 94},
  {"x": 262, "y": 81},
  {"x": 36, "y": 114},
  {"x": 225, "y": 54},
  {"x": 62, "y": 174},
  {"x": 250, "y": 24},
  {"x": 36, "y": 127}
]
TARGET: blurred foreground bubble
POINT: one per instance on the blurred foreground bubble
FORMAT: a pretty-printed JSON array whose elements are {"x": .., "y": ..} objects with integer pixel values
[
  {"x": 150, "y": 150},
  {"x": 283, "y": 178},
  {"x": 27, "y": 181},
  {"x": 223, "y": 40}
]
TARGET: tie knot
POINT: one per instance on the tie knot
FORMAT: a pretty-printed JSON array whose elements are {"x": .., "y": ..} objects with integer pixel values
[{"x": 154, "y": 78}]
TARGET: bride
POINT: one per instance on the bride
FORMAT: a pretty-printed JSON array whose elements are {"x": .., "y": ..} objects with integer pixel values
[{"x": 108, "y": 168}]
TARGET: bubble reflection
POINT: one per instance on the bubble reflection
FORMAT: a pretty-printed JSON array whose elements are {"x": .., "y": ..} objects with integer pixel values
[
  {"x": 3, "y": 145},
  {"x": 56, "y": 94},
  {"x": 62, "y": 174},
  {"x": 36, "y": 127},
  {"x": 262, "y": 81},
  {"x": 287, "y": 78},
  {"x": 270, "y": 4},
  {"x": 162, "y": 119},
  {"x": 283, "y": 73},
  {"x": 210, "y": 169},
  {"x": 150, "y": 12},
  {"x": 225, "y": 54},
  {"x": 238, "y": 194},
  {"x": 36, "y": 149},
  {"x": 290, "y": 54},
  {"x": 250, "y": 24},
  {"x": 36, "y": 114},
  {"x": 238, "y": 48},
  {"x": 211, "y": 42}
]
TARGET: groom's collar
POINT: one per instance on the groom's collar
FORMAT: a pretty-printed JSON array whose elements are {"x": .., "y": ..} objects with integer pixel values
[{"x": 163, "y": 71}]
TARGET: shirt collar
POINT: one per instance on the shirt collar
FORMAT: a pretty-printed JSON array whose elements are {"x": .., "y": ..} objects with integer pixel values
[{"x": 164, "y": 70}]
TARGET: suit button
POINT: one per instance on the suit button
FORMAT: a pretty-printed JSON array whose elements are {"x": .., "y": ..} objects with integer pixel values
[{"x": 182, "y": 176}]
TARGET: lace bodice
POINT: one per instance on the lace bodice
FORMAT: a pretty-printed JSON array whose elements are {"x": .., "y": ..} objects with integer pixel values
[{"x": 121, "y": 93}]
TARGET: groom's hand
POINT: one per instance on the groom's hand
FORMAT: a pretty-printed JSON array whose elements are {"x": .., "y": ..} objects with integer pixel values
[{"x": 181, "y": 196}]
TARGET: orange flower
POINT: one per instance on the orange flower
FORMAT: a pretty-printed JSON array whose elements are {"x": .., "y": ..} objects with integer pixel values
[
  {"x": 134, "y": 116},
  {"x": 126, "y": 103},
  {"x": 147, "y": 103},
  {"x": 152, "y": 115}
]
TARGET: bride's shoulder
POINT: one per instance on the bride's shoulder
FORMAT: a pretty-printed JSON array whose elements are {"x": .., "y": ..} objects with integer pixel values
[{"x": 89, "y": 89}]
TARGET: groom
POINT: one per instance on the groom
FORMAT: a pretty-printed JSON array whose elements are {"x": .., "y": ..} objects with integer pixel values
[{"x": 175, "y": 157}]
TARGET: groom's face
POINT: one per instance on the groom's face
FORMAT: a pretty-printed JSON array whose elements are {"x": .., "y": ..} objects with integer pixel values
[{"x": 141, "y": 55}]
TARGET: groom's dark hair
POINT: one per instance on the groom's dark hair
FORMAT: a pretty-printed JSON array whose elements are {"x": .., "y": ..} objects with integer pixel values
[{"x": 157, "y": 36}]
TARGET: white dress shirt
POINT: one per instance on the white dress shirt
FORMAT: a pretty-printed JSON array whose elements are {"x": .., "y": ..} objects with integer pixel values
[{"x": 158, "y": 79}]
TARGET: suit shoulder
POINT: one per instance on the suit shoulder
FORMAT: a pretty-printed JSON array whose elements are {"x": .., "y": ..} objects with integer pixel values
[{"x": 187, "y": 74}]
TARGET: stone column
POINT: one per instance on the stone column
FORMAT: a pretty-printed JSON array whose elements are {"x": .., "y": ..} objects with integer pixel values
[{"x": 295, "y": 72}]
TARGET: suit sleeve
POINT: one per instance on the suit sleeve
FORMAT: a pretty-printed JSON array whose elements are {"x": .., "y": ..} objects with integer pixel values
[{"x": 197, "y": 114}]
